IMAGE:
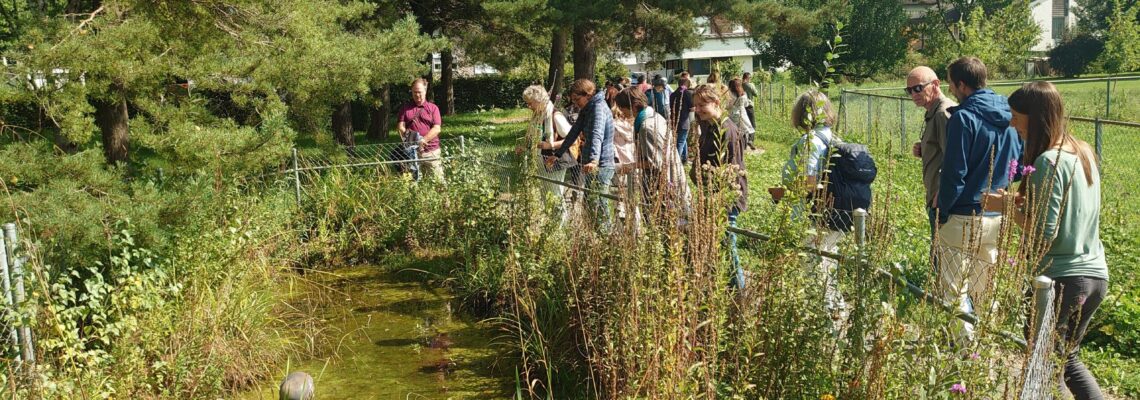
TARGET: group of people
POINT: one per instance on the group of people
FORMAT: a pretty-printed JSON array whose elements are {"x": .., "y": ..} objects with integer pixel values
[
  {"x": 973, "y": 149},
  {"x": 972, "y": 152}
]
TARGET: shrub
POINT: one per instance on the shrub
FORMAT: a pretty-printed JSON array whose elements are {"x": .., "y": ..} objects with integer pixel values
[
  {"x": 1122, "y": 43},
  {"x": 476, "y": 94},
  {"x": 1073, "y": 57}
]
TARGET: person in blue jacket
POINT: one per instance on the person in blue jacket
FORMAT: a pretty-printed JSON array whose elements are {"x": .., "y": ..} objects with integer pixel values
[
  {"x": 981, "y": 148},
  {"x": 596, "y": 122}
]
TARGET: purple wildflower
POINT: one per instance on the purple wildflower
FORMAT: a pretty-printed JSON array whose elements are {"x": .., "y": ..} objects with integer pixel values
[
  {"x": 958, "y": 388},
  {"x": 1012, "y": 169},
  {"x": 973, "y": 356},
  {"x": 1026, "y": 170}
]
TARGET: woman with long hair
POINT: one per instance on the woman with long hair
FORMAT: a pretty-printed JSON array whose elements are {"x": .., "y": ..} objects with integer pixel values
[
  {"x": 738, "y": 111},
  {"x": 1058, "y": 209},
  {"x": 658, "y": 166},
  {"x": 625, "y": 151},
  {"x": 546, "y": 130}
]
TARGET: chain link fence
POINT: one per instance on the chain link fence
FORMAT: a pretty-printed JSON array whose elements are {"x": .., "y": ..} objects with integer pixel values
[{"x": 395, "y": 157}]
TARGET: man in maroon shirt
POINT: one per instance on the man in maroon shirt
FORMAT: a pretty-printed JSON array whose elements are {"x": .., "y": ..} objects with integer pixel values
[{"x": 422, "y": 117}]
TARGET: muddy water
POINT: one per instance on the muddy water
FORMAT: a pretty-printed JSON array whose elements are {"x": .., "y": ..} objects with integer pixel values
[{"x": 398, "y": 339}]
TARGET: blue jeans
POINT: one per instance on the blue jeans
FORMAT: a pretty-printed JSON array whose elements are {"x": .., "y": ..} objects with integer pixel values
[
  {"x": 600, "y": 182},
  {"x": 730, "y": 239},
  {"x": 683, "y": 144}
]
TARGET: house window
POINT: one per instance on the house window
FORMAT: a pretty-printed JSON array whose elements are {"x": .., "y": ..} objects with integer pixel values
[
  {"x": 673, "y": 65},
  {"x": 700, "y": 67},
  {"x": 1058, "y": 27}
]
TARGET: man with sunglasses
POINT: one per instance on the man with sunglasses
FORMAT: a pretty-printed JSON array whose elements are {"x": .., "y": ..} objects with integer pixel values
[{"x": 924, "y": 89}]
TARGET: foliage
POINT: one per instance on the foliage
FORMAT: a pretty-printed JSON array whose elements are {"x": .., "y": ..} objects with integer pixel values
[
  {"x": 1122, "y": 43},
  {"x": 609, "y": 68},
  {"x": 148, "y": 288},
  {"x": 482, "y": 93},
  {"x": 802, "y": 43},
  {"x": 507, "y": 37},
  {"x": 134, "y": 52},
  {"x": 730, "y": 69},
  {"x": 875, "y": 39},
  {"x": 873, "y": 29},
  {"x": 1074, "y": 56},
  {"x": 1001, "y": 38},
  {"x": 1093, "y": 16}
]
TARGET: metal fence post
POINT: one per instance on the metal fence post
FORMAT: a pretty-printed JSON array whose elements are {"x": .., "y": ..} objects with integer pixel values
[
  {"x": 902, "y": 126},
  {"x": 13, "y": 339},
  {"x": 462, "y": 145},
  {"x": 1107, "y": 98},
  {"x": 770, "y": 102},
  {"x": 783, "y": 100},
  {"x": 296, "y": 177},
  {"x": 843, "y": 110},
  {"x": 17, "y": 272},
  {"x": 1099, "y": 140},
  {"x": 869, "y": 101},
  {"x": 859, "y": 217}
]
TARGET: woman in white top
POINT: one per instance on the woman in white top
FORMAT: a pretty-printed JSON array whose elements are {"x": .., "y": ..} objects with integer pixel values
[
  {"x": 547, "y": 127},
  {"x": 738, "y": 110},
  {"x": 664, "y": 187},
  {"x": 625, "y": 152}
]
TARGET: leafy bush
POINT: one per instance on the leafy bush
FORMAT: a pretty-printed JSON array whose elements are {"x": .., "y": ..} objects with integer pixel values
[
  {"x": 1074, "y": 56},
  {"x": 1122, "y": 43},
  {"x": 142, "y": 288},
  {"x": 1002, "y": 39},
  {"x": 476, "y": 94}
]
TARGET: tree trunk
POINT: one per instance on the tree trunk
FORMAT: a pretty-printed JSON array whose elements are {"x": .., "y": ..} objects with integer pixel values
[
  {"x": 342, "y": 124},
  {"x": 378, "y": 116},
  {"x": 111, "y": 117},
  {"x": 585, "y": 59},
  {"x": 557, "y": 61},
  {"x": 447, "y": 82}
]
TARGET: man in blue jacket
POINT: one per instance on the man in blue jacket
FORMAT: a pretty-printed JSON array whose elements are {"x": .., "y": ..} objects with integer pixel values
[
  {"x": 980, "y": 146},
  {"x": 596, "y": 121}
]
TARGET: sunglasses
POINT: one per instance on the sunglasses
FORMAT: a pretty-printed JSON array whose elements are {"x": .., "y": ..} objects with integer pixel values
[{"x": 916, "y": 88}]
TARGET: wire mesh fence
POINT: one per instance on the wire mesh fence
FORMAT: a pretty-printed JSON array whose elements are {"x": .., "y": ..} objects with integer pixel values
[{"x": 394, "y": 154}]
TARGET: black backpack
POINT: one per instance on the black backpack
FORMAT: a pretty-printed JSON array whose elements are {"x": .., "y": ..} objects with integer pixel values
[{"x": 852, "y": 170}]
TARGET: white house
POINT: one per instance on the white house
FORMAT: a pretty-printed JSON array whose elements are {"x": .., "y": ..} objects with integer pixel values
[
  {"x": 1054, "y": 17},
  {"x": 732, "y": 43}
]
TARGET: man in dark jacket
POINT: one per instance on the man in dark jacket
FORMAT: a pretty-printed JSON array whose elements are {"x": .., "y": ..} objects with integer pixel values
[
  {"x": 658, "y": 97},
  {"x": 596, "y": 121},
  {"x": 681, "y": 107},
  {"x": 980, "y": 146}
]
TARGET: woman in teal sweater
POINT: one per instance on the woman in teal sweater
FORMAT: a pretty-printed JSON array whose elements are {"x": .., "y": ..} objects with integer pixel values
[{"x": 1058, "y": 209}]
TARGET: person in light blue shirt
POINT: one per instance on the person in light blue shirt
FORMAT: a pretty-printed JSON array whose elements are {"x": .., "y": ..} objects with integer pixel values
[{"x": 804, "y": 173}]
